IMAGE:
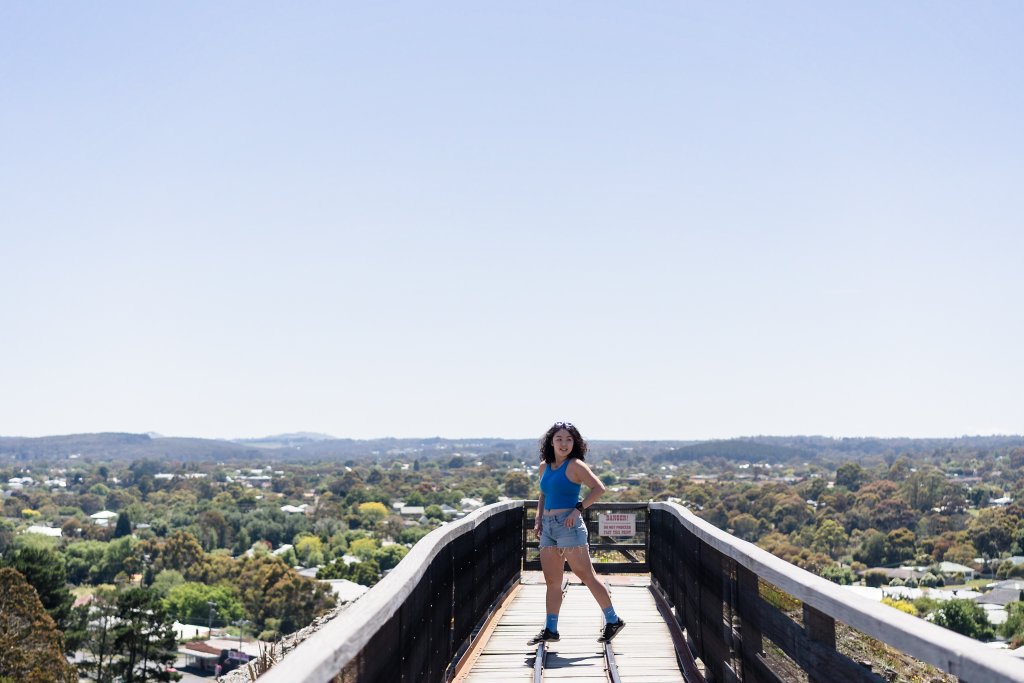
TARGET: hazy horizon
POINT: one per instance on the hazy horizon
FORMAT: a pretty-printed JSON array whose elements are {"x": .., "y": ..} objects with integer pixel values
[{"x": 158, "y": 435}]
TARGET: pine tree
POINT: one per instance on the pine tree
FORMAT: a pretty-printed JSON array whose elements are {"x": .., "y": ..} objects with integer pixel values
[
  {"x": 124, "y": 525},
  {"x": 31, "y": 648},
  {"x": 45, "y": 571},
  {"x": 130, "y": 638},
  {"x": 144, "y": 637}
]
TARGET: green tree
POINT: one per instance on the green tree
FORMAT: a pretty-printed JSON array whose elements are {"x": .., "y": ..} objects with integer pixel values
[
  {"x": 830, "y": 538},
  {"x": 84, "y": 561},
  {"x": 190, "y": 603},
  {"x": 838, "y": 573},
  {"x": 309, "y": 550},
  {"x": 166, "y": 580},
  {"x": 120, "y": 558},
  {"x": 296, "y": 601},
  {"x": 924, "y": 488},
  {"x": 992, "y": 531},
  {"x": 181, "y": 552},
  {"x": 371, "y": 513},
  {"x": 389, "y": 556},
  {"x": 875, "y": 579},
  {"x": 45, "y": 571},
  {"x": 851, "y": 476},
  {"x": 872, "y": 551},
  {"x": 365, "y": 573},
  {"x": 517, "y": 485},
  {"x": 124, "y": 525},
  {"x": 6, "y": 535},
  {"x": 966, "y": 617},
  {"x": 96, "y": 620},
  {"x": 746, "y": 526},
  {"x": 144, "y": 638},
  {"x": 899, "y": 545},
  {"x": 272, "y": 590},
  {"x": 337, "y": 569},
  {"x": 364, "y": 548},
  {"x": 1013, "y": 627},
  {"x": 31, "y": 648}
]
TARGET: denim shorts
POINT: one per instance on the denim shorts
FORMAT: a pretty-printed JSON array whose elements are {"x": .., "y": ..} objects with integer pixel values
[{"x": 554, "y": 533}]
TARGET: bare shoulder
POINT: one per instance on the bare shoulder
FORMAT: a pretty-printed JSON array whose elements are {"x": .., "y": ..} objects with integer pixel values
[{"x": 579, "y": 472}]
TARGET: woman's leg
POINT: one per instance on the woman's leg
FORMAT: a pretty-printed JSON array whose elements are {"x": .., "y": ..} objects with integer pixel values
[
  {"x": 551, "y": 563},
  {"x": 579, "y": 562}
]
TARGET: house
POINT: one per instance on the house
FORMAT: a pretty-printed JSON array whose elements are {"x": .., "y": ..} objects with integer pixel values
[
  {"x": 902, "y": 573},
  {"x": 199, "y": 655},
  {"x": 103, "y": 517},
  {"x": 1002, "y": 593},
  {"x": 44, "y": 531},
  {"x": 215, "y": 656},
  {"x": 414, "y": 511},
  {"x": 951, "y": 568},
  {"x": 294, "y": 509}
]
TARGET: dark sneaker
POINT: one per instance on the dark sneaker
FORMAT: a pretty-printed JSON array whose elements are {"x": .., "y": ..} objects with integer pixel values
[
  {"x": 544, "y": 636},
  {"x": 611, "y": 630}
]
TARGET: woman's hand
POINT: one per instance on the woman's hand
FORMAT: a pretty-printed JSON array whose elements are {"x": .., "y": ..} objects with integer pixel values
[
  {"x": 537, "y": 527},
  {"x": 570, "y": 521}
]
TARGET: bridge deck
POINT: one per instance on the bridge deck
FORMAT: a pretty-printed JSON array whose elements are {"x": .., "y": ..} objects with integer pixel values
[{"x": 643, "y": 652}]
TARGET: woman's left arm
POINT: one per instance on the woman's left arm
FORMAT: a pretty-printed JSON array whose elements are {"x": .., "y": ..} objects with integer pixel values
[{"x": 581, "y": 473}]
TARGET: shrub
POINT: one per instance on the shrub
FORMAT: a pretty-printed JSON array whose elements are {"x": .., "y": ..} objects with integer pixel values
[
  {"x": 901, "y": 605},
  {"x": 966, "y": 617},
  {"x": 875, "y": 579}
]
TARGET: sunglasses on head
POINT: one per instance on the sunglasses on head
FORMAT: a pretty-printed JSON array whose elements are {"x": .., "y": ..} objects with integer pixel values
[{"x": 563, "y": 425}]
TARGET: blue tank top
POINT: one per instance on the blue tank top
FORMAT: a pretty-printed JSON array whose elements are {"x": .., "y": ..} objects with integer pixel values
[{"x": 559, "y": 492}]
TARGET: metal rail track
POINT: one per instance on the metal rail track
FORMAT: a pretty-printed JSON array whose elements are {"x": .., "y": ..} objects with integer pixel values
[{"x": 611, "y": 667}]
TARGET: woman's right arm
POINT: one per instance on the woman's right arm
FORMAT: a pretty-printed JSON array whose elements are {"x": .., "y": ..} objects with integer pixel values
[{"x": 540, "y": 502}]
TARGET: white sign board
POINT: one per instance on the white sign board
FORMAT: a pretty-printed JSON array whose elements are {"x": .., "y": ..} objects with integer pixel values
[{"x": 618, "y": 524}]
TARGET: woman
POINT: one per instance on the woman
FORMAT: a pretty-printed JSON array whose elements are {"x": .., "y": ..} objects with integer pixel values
[{"x": 560, "y": 526}]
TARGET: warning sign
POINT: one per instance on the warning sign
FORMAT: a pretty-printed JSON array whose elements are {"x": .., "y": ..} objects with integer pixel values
[{"x": 622, "y": 525}]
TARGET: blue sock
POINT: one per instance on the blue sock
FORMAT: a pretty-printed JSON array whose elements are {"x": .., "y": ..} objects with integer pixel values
[
  {"x": 609, "y": 615},
  {"x": 552, "y": 623}
]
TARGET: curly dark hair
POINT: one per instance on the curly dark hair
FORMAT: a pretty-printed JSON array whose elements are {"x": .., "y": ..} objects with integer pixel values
[{"x": 579, "y": 444}]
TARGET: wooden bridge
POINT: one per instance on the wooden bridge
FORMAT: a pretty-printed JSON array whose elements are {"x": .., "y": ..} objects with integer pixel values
[{"x": 701, "y": 606}]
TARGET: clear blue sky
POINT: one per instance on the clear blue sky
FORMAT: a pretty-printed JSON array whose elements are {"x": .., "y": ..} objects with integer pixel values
[{"x": 657, "y": 220}]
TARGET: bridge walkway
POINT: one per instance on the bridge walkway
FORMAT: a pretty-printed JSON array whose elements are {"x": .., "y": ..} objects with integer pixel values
[{"x": 643, "y": 653}]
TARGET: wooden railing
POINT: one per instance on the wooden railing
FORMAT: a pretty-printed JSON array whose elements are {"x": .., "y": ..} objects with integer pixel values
[
  {"x": 721, "y": 589},
  {"x": 633, "y": 550},
  {"x": 733, "y": 599},
  {"x": 410, "y": 626}
]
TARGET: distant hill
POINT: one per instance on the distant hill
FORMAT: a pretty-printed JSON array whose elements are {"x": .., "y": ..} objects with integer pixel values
[
  {"x": 114, "y": 446},
  {"x": 307, "y": 446},
  {"x": 300, "y": 446},
  {"x": 737, "y": 449},
  {"x": 790, "y": 448}
]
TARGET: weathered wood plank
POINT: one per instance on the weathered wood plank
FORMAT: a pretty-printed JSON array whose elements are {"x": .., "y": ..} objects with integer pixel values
[
  {"x": 820, "y": 628},
  {"x": 751, "y": 644}
]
